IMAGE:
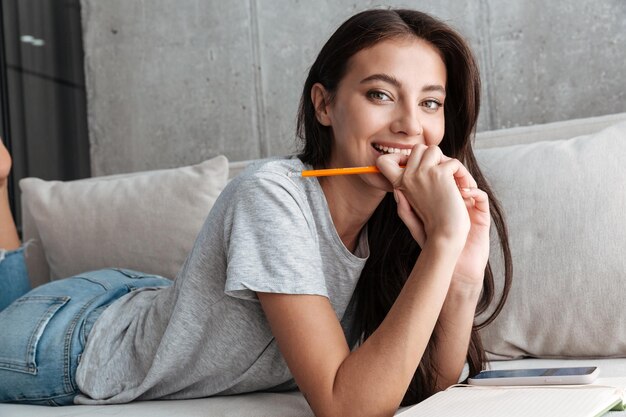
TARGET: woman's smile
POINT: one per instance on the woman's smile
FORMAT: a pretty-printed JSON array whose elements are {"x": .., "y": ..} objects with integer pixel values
[{"x": 384, "y": 149}]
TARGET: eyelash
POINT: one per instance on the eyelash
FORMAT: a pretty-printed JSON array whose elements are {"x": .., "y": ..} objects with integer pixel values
[
  {"x": 372, "y": 94},
  {"x": 439, "y": 105}
]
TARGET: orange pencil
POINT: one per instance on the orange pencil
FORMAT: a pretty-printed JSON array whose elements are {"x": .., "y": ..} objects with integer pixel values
[
  {"x": 340, "y": 171},
  {"x": 337, "y": 171},
  {"x": 349, "y": 171}
]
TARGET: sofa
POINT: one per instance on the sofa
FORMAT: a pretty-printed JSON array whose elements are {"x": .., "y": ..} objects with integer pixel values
[{"x": 562, "y": 188}]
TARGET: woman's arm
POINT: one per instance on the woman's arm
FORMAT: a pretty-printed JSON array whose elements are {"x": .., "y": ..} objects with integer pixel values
[
  {"x": 372, "y": 380},
  {"x": 453, "y": 329},
  {"x": 8, "y": 233},
  {"x": 452, "y": 332}
]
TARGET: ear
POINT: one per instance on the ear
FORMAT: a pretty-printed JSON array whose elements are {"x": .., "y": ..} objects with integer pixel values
[{"x": 321, "y": 103}]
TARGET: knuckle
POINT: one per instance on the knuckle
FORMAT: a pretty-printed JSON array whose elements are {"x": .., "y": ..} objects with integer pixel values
[
  {"x": 436, "y": 172},
  {"x": 398, "y": 182}
]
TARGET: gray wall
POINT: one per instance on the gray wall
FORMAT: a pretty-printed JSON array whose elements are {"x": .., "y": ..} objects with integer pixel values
[{"x": 171, "y": 83}]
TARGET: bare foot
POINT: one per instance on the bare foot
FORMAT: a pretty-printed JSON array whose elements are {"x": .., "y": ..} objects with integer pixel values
[{"x": 5, "y": 164}]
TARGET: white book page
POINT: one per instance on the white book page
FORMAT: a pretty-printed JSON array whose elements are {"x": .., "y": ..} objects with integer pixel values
[{"x": 587, "y": 401}]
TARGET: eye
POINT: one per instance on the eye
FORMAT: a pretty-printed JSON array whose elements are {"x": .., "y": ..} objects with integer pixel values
[
  {"x": 378, "y": 95},
  {"x": 432, "y": 105}
]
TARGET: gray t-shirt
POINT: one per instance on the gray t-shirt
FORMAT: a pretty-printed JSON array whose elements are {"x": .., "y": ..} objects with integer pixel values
[{"x": 207, "y": 334}]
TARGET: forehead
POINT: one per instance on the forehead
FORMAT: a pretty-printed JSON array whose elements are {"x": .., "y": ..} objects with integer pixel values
[{"x": 411, "y": 59}]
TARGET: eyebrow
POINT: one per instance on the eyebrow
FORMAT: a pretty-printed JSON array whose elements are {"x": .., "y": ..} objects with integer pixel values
[{"x": 390, "y": 79}]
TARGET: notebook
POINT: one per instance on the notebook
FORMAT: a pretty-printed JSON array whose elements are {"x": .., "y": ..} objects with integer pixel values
[{"x": 591, "y": 400}]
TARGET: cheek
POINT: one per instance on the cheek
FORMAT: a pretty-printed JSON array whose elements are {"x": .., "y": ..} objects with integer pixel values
[
  {"x": 340, "y": 121},
  {"x": 353, "y": 123},
  {"x": 434, "y": 133}
]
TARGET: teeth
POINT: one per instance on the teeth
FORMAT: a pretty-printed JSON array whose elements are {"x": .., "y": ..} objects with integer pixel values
[{"x": 387, "y": 149}]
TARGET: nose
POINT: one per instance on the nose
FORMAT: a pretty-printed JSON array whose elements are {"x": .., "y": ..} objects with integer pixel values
[{"x": 406, "y": 121}]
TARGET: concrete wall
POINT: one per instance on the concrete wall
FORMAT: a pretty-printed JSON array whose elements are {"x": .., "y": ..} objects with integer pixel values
[{"x": 175, "y": 82}]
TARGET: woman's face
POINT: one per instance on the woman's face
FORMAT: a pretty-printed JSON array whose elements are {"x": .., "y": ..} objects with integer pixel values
[{"x": 390, "y": 99}]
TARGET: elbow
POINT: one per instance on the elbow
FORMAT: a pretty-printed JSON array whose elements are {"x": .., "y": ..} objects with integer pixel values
[
  {"x": 339, "y": 409},
  {"x": 354, "y": 413}
]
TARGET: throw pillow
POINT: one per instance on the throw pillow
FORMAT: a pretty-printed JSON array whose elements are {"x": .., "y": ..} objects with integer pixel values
[
  {"x": 565, "y": 206},
  {"x": 146, "y": 221}
]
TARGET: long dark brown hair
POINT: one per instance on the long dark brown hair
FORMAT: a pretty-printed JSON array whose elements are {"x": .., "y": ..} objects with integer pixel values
[{"x": 393, "y": 252}]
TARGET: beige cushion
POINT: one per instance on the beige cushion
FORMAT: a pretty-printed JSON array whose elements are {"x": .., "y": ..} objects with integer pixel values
[
  {"x": 565, "y": 203},
  {"x": 146, "y": 221}
]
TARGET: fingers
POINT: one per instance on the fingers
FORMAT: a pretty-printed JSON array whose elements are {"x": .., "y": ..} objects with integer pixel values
[
  {"x": 410, "y": 219},
  {"x": 433, "y": 157},
  {"x": 460, "y": 173},
  {"x": 476, "y": 198},
  {"x": 414, "y": 160},
  {"x": 430, "y": 156},
  {"x": 423, "y": 157},
  {"x": 389, "y": 166}
]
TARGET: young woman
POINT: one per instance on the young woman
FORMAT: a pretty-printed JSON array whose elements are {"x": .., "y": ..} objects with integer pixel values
[{"x": 361, "y": 290}]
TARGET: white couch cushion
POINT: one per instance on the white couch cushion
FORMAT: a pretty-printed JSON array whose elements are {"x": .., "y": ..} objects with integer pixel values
[
  {"x": 289, "y": 404},
  {"x": 145, "y": 221},
  {"x": 565, "y": 205}
]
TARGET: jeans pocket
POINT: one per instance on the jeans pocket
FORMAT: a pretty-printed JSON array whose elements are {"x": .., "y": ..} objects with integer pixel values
[{"x": 21, "y": 327}]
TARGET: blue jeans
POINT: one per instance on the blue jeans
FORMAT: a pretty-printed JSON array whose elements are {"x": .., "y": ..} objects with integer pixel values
[
  {"x": 43, "y": 332},
  {"x": 13, "y": 276}
]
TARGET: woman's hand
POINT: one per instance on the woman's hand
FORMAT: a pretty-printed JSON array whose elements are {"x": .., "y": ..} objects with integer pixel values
[
  {"x": 470, "y": 267},
  {"x": 426, "y": 190}
]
